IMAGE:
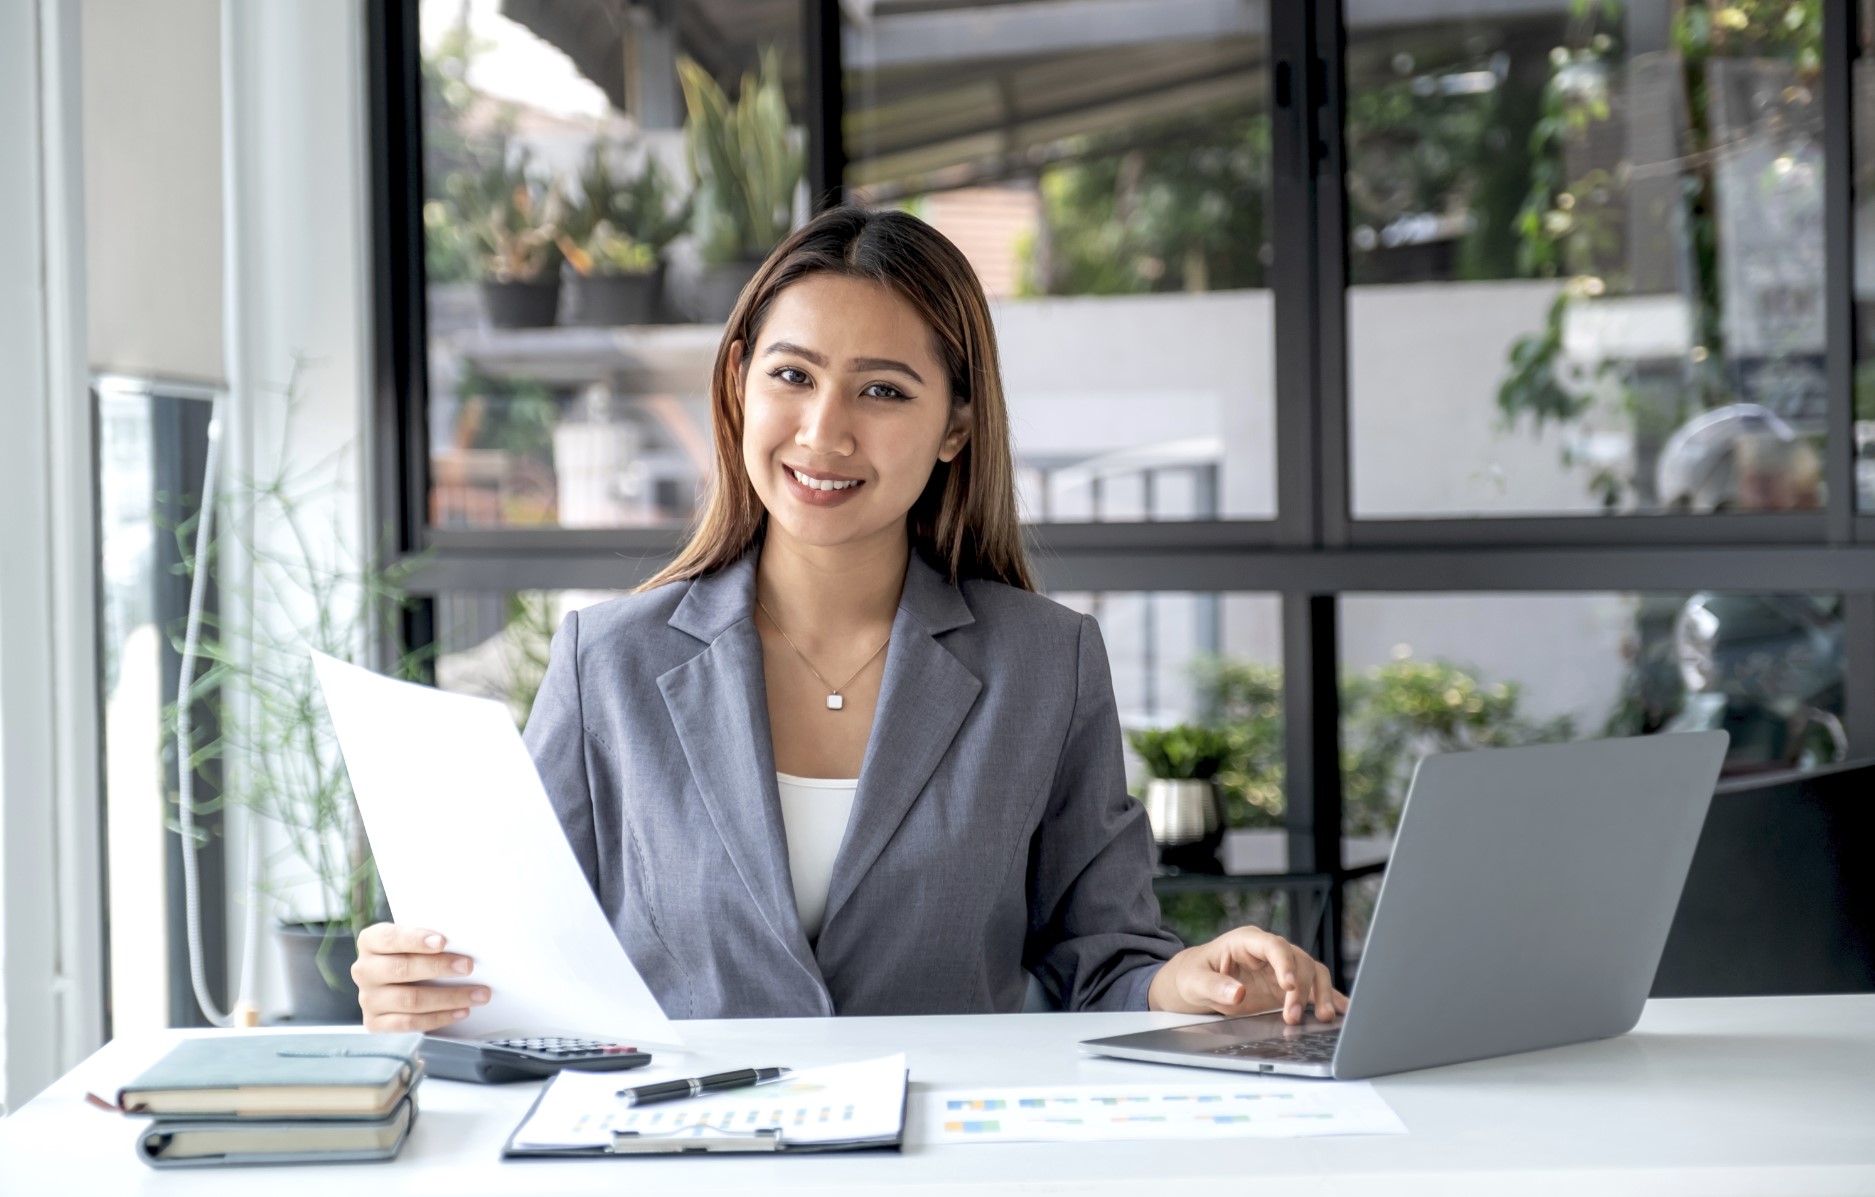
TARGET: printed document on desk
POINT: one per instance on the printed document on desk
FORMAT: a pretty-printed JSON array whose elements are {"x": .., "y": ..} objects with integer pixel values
[
  {"x": 839, "y": 1105},
  {"x": 1253, "y": 1108},
  {"x": 468, "y": 845}
]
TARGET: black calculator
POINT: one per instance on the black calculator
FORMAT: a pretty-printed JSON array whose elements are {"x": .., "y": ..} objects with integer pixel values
[{"x": 523, "y": 1058}]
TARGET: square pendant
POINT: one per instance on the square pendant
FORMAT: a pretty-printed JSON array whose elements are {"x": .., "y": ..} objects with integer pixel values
[{"x": 835, "y": 702}]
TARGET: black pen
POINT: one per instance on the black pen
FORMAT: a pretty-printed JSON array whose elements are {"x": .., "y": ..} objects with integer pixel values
[{"x": 742, "y": 1078}]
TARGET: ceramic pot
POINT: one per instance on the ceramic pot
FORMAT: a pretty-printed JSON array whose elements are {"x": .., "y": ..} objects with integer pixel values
[
  {"x": 312, "y": 999},
  {"x": 534, "y": 303}
]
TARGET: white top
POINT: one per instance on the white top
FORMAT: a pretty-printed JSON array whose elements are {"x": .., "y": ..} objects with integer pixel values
[
  {"x": 814, "y": 812},
  {"x": 1708, "y": 1097}
]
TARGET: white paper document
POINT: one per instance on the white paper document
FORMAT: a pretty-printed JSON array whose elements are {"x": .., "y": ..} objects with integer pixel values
[
  {"x": 468, "y": 845},
  {"x": 1255, "y": 1107},
  {"x": 840, "y": 1103}
]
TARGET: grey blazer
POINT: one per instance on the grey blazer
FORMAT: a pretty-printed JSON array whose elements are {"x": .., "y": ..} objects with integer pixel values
[{"x": 991, "y": 837}]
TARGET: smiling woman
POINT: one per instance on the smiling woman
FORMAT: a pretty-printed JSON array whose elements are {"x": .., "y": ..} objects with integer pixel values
[
  {"x": 863, "y": 322},
  {"x": 930, "y": 833}
]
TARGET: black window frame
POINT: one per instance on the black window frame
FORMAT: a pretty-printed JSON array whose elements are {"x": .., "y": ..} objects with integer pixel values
[{"x": 1314, "y": 549}]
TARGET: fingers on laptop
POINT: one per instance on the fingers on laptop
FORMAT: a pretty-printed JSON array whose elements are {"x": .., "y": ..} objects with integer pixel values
[{"x": 1270, "y": 965}]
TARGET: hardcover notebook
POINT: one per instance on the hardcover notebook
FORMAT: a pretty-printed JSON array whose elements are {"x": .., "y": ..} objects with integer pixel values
[
  {"x": 841, "y": 1107},
  {"x": 235, "y": 1076},
  {"x": 193, "y": 1143}
]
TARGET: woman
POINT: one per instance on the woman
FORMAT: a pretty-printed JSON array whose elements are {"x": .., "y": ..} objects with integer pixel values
[{"x": 838, "y": 757}]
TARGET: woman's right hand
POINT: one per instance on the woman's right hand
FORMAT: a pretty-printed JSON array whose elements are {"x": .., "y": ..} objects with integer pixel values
[{"x": 394, "y": 969}]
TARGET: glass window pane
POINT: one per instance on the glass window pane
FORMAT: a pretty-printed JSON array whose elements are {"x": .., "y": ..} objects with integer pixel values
[
  {"x": 1587, "y": 253},
  {"x": 1109, "y": 180},
  {"x": 1429, "y": 673},
  {"x": 133, "y": 522},
  {"x": 577, "y": 275}
]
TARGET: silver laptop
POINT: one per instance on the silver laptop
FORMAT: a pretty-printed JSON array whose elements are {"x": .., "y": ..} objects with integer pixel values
[{"x": 1526, "y": 906}]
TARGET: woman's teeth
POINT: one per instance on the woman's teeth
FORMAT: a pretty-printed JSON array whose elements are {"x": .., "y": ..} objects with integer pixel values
[{"x": 819, "y": 484}]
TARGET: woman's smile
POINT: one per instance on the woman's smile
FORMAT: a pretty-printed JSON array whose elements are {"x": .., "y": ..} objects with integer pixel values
[{"x": 818, "y": 489}]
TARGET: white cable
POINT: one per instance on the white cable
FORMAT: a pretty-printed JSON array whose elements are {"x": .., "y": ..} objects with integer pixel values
[
  {"x": 232, "y": 346},
  {"x": 233, "y": 352},
  {"x": 185, "y": 769}
]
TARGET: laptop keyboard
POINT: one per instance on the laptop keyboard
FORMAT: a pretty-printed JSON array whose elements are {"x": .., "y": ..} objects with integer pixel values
[{"x": 1316, "y": 1047}]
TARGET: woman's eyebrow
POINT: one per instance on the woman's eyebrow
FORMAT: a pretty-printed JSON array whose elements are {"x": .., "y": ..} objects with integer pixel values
[{"x": 858, "y": 363}]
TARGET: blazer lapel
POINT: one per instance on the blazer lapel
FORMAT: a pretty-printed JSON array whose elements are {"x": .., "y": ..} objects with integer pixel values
[
  {"x": 923, "y": 698},
  {"x": 719, "y": 706}
]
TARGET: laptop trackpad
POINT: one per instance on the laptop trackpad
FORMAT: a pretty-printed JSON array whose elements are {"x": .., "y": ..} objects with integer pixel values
[{"x": 1247, "y": 1027}]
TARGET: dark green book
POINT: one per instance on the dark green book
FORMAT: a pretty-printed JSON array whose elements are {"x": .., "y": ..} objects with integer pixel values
[{"x": 235, "y": 1075}]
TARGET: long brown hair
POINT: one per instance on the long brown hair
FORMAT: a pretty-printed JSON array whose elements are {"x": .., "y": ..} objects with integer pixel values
[{"x": 965, "y": 521}]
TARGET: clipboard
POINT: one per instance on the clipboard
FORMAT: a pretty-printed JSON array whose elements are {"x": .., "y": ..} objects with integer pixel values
[{"x": 701, "y": 1139}]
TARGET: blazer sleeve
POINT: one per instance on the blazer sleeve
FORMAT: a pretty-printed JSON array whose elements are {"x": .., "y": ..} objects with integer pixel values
[
  {"x": 1095, "y": 941},
  {"x": 556, "y": 738}
]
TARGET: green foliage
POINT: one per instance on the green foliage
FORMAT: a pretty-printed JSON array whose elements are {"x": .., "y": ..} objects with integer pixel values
[
  {"x": 621, "y": 227},
  {"x": 747, "y": 159},
  {"x": 530, "y": 625},
  {"x": 1532, "y": 387},
  {"x": 1392, "y": 716},
  {"x": 1398, "y": 712},
  {"x": 1787, "y": 29},
  {"x": 294, "y": 593},
  {"x": 1865, "y": 390},
  {"x": 513, "y": 220},
  {"x": 514, "y": 415},
  {"x": 1245, "y": 699},
  {"x": 1178, "y": 206},
  {"x": 1563, "y": 227},
  {"x": 1180, "y": 753},
  {"x": 1201, "y": 916},
  {"x": 449, "y": 148}
]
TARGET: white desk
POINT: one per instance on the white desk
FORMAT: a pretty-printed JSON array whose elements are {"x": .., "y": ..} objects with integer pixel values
[{"x": 1707, "y": 1097}]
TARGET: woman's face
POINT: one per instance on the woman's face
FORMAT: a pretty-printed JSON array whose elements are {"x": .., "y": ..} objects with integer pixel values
[{"x": 844, "y": 386}]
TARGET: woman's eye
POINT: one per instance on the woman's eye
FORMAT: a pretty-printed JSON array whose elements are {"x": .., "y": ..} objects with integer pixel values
[
  {"x": 789, "y": 375},
  {"x": 889, "y": 391}
]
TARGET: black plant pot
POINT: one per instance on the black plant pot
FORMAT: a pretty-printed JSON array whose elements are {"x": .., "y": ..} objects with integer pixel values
[
  {"x": 530, "y": 304},
  {"x": 611, "y": 300},
  {"x": 313, "y": 1000},
  {"x": 719, "y": 287}
]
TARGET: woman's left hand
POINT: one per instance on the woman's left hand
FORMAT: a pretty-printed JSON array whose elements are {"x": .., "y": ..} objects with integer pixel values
[{"x": 1245, "y": 971}]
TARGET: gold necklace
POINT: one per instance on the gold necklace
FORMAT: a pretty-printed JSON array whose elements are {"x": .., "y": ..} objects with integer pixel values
[{"x": 834, "y": 700}]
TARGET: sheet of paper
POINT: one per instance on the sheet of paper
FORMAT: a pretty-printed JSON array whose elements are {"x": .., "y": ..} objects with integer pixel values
[
  {"x": 834, "y": 1104},
  {"x": 1255, "y": 1107},
  {"x": 468, "y": 845}
]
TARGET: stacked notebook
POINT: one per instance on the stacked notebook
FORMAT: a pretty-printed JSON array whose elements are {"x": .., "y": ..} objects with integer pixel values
[{"x": 277, "y": 1099}]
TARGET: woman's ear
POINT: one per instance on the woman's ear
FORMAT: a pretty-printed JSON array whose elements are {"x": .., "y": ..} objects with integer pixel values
[{"x": 958, "y": 435}]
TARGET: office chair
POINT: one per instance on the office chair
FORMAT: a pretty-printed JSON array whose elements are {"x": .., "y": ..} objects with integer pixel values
[{"x": 1780, "y": 898}]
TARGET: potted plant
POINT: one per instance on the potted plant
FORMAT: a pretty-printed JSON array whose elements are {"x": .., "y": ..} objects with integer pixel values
[
  {"x": 1182, "y": 800},
  {"x": 296, "y": 593},
  {"x": 514, "y": 223},
  {"x": 747, "y": 160},
  {"x": 614, "y": 236}
]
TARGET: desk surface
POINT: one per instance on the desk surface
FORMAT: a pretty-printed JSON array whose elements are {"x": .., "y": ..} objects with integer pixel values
[{"x": 1736, "y": 1095}]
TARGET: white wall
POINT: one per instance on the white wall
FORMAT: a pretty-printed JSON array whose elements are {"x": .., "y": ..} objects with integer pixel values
[
  {"x": 51, "y": 1008},
  {"x": 1424, "y": 364},
  {"x": 1091, "y": 376}
]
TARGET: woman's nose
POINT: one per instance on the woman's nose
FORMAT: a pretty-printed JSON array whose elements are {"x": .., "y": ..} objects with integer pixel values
[{"x": 824, "y": 425}]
